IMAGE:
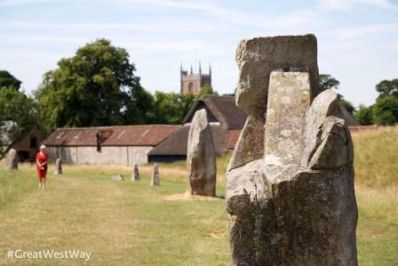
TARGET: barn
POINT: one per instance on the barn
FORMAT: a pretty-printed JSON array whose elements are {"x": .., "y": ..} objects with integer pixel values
[
  {"x": 225, "y": 119},
  {"x": 120, "y": 145}
]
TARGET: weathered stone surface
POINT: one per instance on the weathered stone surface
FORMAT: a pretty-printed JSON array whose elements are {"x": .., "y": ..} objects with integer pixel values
[
  {"x": 155, "y": 179},
  {"x": 297, "y": 206},
  {"x": 250, "y": 145},
  {"x": 58, "y": 167},
  {"x": 201, "y": 157},
  {"x": 118, "y": 177},
  {"x": 12, "y": 159},
  {"x": 135, "y": 175},
  {"x": 256, "y": 59},
  {"x": 288, "y": 100}
]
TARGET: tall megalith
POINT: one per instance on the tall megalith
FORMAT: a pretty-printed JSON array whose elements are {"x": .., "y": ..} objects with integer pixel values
[
  {"x": 58, "y": 166},
  {"x": 201, "y": 157},
  {"x": 290, "y": 198},
  {"x": 135, "y": 175},
  {"x": 155, "y": 178},
  {"x": 12, "y": 159}
]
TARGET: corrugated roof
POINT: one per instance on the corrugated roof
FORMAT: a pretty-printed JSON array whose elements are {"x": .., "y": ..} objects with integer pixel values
[
  {"x": 176, "y": 144},
  {"x": 223, "y": 108},
  {"x": 137, "y": 135}
]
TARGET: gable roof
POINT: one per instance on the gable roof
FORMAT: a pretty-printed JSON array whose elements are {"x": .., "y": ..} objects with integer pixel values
[
  {"x": 137, "y": 135},
  {"x": 220, "y": 108}
]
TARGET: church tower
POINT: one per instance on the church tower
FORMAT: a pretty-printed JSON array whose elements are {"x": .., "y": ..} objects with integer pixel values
[{"x": 193, "y": 82}]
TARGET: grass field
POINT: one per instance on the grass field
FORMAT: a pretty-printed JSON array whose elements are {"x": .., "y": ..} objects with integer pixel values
[{"x": 126, "y": 223}]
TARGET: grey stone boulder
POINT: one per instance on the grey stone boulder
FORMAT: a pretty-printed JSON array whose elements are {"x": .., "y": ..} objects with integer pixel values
[
  {"x": 201, "y": 157},
  {"x": 135, "y": 175},
  {"x": 12, "y": 159},
  {"x": 58, "y": 167},
  {"x": 293, "y": 202},
  {"x": 155, "y": 178}
]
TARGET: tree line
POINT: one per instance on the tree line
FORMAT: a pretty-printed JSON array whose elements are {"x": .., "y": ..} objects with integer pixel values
[{"x": 98, "y": 87}]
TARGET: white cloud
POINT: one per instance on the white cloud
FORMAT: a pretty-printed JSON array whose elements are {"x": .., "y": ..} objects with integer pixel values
[{"x": 347, "y": 4}]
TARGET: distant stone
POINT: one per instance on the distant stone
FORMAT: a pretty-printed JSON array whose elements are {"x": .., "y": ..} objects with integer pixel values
[
  {"x": 58, "y": 166},
  {"x": 201, "y": 157},
  {"x": 155, "y": 179},
  {"x": 12, "y": 159},
  {"x": 293, "y": 202},
  {"x": 135, "y": 175},
  {"x": 118, "y": 177}
]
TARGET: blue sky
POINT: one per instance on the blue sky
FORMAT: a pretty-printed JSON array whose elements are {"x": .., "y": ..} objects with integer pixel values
[{"x": 357, "y": 39}]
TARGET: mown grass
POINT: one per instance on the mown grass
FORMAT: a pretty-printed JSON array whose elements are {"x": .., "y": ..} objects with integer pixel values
[
  {"x": 15, "y": 183},
  {"x": 376, "y": 173},
  {"x": 131, "y": 223}
]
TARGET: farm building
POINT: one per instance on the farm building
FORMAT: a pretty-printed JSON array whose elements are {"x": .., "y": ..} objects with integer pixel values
[
  {"x": 226, "y": 120},
  {"x": 26, "y": 147},
  {"x": 123, "y": 145}
]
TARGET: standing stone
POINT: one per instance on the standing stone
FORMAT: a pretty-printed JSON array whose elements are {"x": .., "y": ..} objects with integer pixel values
[
  {"x": 294, "y": 203},
  {"x": 135, "y": 175},
  {"x": 155, "y": 179},
  {"x": 12, "y": 159},
  {"x": 58, "y": 166},
  {"x": 201, "y": 157}
]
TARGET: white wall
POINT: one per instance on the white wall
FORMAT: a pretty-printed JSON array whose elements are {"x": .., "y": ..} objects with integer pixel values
[{"x": 122, "y": 155}]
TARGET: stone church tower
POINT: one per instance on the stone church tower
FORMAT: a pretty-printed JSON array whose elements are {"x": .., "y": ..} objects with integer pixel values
[{"x": 192, "y": 82}]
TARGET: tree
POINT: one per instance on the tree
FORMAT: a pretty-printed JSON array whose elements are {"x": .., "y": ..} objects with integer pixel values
[
  {"x": 385, "y": 110},
  {"x": 387, "y": 87},
  {"x": 364, "y": 115},
  {"x": 18, "y": 109},
  {"x": 170, "y": 108},
  {"x": 8, "y": 81},
  {"x": 95, "y": 87},
  {"x": 326, "y": 82},
  {"x": 206, "y": 90}
]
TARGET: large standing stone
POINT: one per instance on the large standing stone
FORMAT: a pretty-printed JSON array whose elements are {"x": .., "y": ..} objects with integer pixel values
[
  {"x": 12, "y": 159},
  {"x": 201, "y": 157},
  {"x": 58, "y": 167},
  {"x": 155, "y": 179},
  {"x": 295, "y": 204},
  {"x": 135, "y": 175}
]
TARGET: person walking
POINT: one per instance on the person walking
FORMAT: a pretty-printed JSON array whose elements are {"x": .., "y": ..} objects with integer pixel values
[{"x": 42, "y": 165}]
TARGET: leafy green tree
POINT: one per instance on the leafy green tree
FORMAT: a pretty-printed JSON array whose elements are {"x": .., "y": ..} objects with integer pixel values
[
  {"x": 206, "y": 90},
  {"x": 364, "y": 115},
  {"x": 170, "y": 108},
  {"x": 95, "y": 87},
  {"x": 387, "y": 87},
  {"x": 385, "y": 110},
  {"x": 326, "y": 82},
  {"x": 8, "y": 81},
  {"x": 17, "y": 108}
]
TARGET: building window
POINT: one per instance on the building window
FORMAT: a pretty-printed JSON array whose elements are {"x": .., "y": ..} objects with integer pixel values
[{"x": 190, "y": 87}]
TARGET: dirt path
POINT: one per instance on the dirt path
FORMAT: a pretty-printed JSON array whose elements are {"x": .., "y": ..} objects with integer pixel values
[{"x": 72, "y": 214}]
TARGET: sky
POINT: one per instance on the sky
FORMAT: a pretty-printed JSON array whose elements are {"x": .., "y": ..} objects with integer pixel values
[{"x": 357, "y": 39}]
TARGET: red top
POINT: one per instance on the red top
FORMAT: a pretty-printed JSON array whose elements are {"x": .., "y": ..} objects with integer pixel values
[{"x": 41, "y": 157}]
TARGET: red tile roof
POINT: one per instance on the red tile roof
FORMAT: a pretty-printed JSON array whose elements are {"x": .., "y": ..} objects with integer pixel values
[
  {"x": 137, "y": 135},
  {"x": 176, "y": 144},
  {"x": 233, "y": 136}
]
